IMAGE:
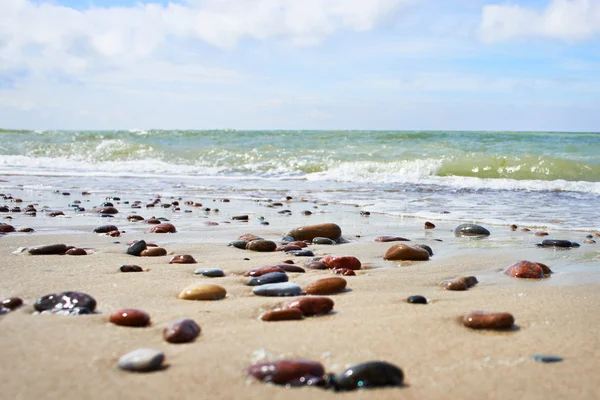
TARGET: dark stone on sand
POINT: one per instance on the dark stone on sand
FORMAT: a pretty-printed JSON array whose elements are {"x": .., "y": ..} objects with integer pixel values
[
  {"x": 454, "y": 285},
  {"x": 344, "y": 271},
  {"x": 271, "y": 277},
  {"x": 76, "y": 251},
  {"x": 130, "y": 317},
  {"x": 556, "y": 243},
  {"x": 264, "y": 246},
  {"x": 163, "y": 228},
  {"x": 349, "y": 262},
  {"x": 11, "y": 303},
  {"x": 385, "y": 239},
  {"x": 64, "y": 301},
  {"x": 282, "y": 315},
  {"x": 289, "y": 372},
  {"x": 471, "y": 230},
  {"x": 528, "y": 270},
  {"x": 5, "y": 228},
  {"x": 369, "y": 375},
  {"x": 105, "y": 229},
  {"x": 424, "y": 246},
  {"x": 240, "y": 218},
  {"x": 210, "y": 272},
  {"x": 107, "y": 210},
  {"x": 416, "y": 299},
  {"x": 49, "y": 249},
  {"x": 544, "y": 358},
  {"x": 311, "y": 305},
  {"x": 328, "y": 230},
  {"x": 429, "y": 225},
  {"x": 136, "y": 248},
  {"x": 291, "y": 268},
  {"x": 264, "y": 270},
  {"x": 288, "y": 247},
  {"x": 540, "y": 233},
  {"x": 488, "y": 320},
  {"x": 26, "y": 230},
  {"x": 131, "y": 268},
  {"x": 239, "y": 244},
  {"x": 181, "y": 331},
  {"x": 326, "y": 286},
  {"x": 317, "y": 265},
  {"x": 322, "y": 240},
  {"x": 182, "y": 259},
  {"x": 302, "y": 253},
  {"x": 4, "y": 209},
  {"x": 134, "y": 218}
]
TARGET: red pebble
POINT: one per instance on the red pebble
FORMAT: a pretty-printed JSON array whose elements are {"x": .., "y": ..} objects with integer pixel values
[
  {"x": 527, "y": 269},
  {"x": 348, "y": 262}
]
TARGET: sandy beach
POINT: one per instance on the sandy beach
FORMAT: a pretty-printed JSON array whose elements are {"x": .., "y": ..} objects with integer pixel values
[{"x": 52, "y": 356}]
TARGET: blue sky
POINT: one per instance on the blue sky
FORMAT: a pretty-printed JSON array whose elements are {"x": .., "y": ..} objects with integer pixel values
[{"x": 311, "y": 64}]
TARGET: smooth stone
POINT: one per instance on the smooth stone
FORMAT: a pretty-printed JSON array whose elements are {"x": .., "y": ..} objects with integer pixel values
[
  {"x": 416, "y": 299},
  {"x": 248, "y": 237},
  {"x": 589, "y": 241},
  {"x": 344, "y": 271},
  {"x": 71, "y": 311},
  {"x": 278, "y": 289},
  {"x": 210, "y": 272},
  {"x": 401, "y": 252},
  {"x": 289, "y": 372},
  {"x": 348, "y": 262},
  {"x": 470, "y": 281},
  {"x": 323, "y": 240},
  {"x": 288, "y": 239},
  {"x": 240, "y": 218},
  {"x": 271, "y": 277},
  {"x": 311, "y": 305},
  {"x": 182, "y": 259},
  {"x": 105, "y": 229},
  {"x": 203, "y": 292},
  {"x": 556, "y": 243},
  {"x": 454, "y": 284},
  {"x": 328, "y": 230},
  {"x": 385, "y": 239},
  {"x": 154, "y": 252},
  {"x": 429, "y": 225},
  {"x": 302, "y": 253},
  {"x": 11, "y": 303},
  {"x": 163, "y": 228},
  {"x": 26, "y": 230},
  {"x": 107, "y": 210},
  {"x": 540, "y": 233},
  {"x": 141, "y": 360},
  {"x": 299, "y": 244},
  {"x": 130, "y": 268},
  {"x": 369, "y": 375},
  {"x": 239, "y": 244},
  {"x": 527, "y": 270},
  {"x": 49, "y": 249},
  {"x": 181, "y": 331},
  {"x": 543, "y": 358},
  {"x": 326, "y": 286},
  {"x": 5, "y": 228},
  {"x": 264, "y": 270},
  {"x": 287, "y": 267},
  {"x": 488, "y": 320},
  {"x": 135, "y": 218},
  {"x": 282, "y": 315},
  {"x": 261, "y": 245},
  {"x": 316, "y": 265},
  {"x": 425, "y": 247},
  {"x": 471, "y": 230},
  {"x": 130, "y": 317},
  {"x": 136, "y": 248},
  {"x": 288, "y": 247},
  {"x": 76, "y": 251},
  {"x": 64, "y": 301},
  {"x": 513, "y": 227}
]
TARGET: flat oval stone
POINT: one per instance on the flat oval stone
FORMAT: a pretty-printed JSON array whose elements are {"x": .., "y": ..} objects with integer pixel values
[
  {"x": 130, "y": 317},
  {"x": 136, "y": 248},
  {"x": 271, "y": 277},
  {"x": 528, "y": 270},
  {"x": 248, "y": 237},
  {"x": 12, "y": 303},
  {"x": 135, "y": 218},
  {"x": 369, "y": 375},
  {"x": 323, "y": 240},
  {"x": 264, "y": 246},
  {"x": 287, "y": 267},
  {"x": 48, "y": 249},
  {"x": 316, "y": 265},
  {"x": 107, "y": 210},
  {"x": 210, "y": 272},
  {"x": 385, "y": 239},
  {"x": 163, "y": 228},
  {"x": 5, "y": 228},
  {"x": 154, "y": 252},
  {"x": 302, "y": 253},
  {"x": 402, "y": 252},
  {"x": 282, "y": 315},
  {"x": 425, "y": 247},
  {"x": 203, "y": 292},
  {"x": 130, "y": 268},
  {"x": 299, "y": 244},
  {"x": 141, "y": 360},
  {"x": 488, "y": 320},
  {"x": 556, "y": 243},
  {"x": 288, "y": 247},
  {"x": 328, "y": 230},
  {"x": 181, "y": 331},
  {"x": 348, "y": 262},
  {"x": 454, "y": 284},
  {"x": 326, "y": 286},
  {"x": 264, "y": 270},
  {"x": 240, "y": 218},
  {"x": 471, "y": 230},
  {"x": 543, "y": 358},
  {"x": 64, "y": 301},
  {"x": 76, "y": 251},
  {"x": 278, "y": 289},
  {"x": 311, "y": 305},
  {"x": 289, "y": 372},
  {"x": 105, "y": 229},
  {"x": 416, "y": 299},
  {"x": 182, "y": 259},
  {"x": 239, "y": 244}
]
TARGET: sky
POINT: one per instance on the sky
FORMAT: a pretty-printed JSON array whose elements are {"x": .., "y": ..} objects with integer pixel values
[{"x": 300, "y": 64}]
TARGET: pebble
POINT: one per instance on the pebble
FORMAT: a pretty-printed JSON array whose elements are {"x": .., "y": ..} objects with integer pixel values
[
  {"x": 210, "y": 272},
  {"x": 429, "y": 225},
  {"x": 240, "y": 218},
  {"x": 311, "y": 305},
  {"x": 11, "y": 303},
  {"x": 239, "y": 244},
  {"x": 326, "y": 286},
  {"x": 316, "y": 265},
  {"x": 454, "y": 284},
  {"x": 540, "y": 233},
  {"x": 76, "y": 251},
  {"x": 543, "y": 358},
  {"x": 416, "y": 299},
  {"x": 130, "y": 268},
  {"x": 203, "y": 292},
  {"x": 271, "y": 277},
  {"x": 289, "y": 372},
  {"x": 264, "y": 270},
  {"x": 404, "y": 252},
  {"x": 323, "y": 240},
  {"x": 302, "y": 253},
  {"x": 5, "y": 228},
  {"x": 136, "y": 248},
  {"x": 589, "y": 241},
  {"x": 471, "y": 230},
  {"x": 288, "y": 247},
  {"x": 130, "y": 317},
  {"x": 135, "y": 218},
  {"x": 181, "y": 331},
  {"x": 291, "y": 268},
  {"x": 348, "y": 262},
  {"x": 528, "y": 270},
  {"x": 488, "y": 320},
  {"x": 182, "y": 259},
  {"x": 282, "y": 315},
  {"x": 26, "y": 230},
  {"x": 64, "y": 301},
  {"x": 163, "y": 228},
  {"x": 556, "y": 243},
  {"x": 107, "y": 210},
  {"x": 369, "y": 375},
  {"x": 425, "y": 247},
  {"x": 261, "y": 246},
  {"x": 105, "y": 229},
  {"x": 343, "y": 271},
  {"x": 48, "y": 249},
  {"x": 328, "y": 230},
  {"x": 288, "y": 239},
  {"x": 154, "y": 252},
  {"x": 248, "y": 237},
  {"x": 141, "y": 360},
  {"x": 278, "y": 289},
  {"x": 385, "y": 239}
]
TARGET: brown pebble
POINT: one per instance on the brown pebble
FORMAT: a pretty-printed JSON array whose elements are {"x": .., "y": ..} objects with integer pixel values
[
  {"x": 263, "y": 270},
  {"x": 130, "y": 317},
  {"x": 182, "y": 331},
  {"x": 513, "y": 227},
  {"x": 348, "y": 262},
  {"x": 76, "y": 251},
  {"x": 153, "y": 252},
  {"x": 113, "y": 233},
  {"x": 429, "y": 225},
  {"x": 344, "y": 271},
  {"x": 288, "y": 261},
  {"x": 203, "y": 292},
  {"x": 261, "y": 245},
  {"x": 316, "y": 265},
  {"x": 248, "y": 237},
  {"x": 182, "y": 259},
  {"x": 385, "y": 239},
  {"x": 525, "y": 230},
  {"x": 311, "y": 305},
  {"x": 131, "y": 268},
  {"x": 282, "y": 315},
  {"x": 328, "y": 230},
  {"x": 488, "y": 320},
  {"x": 289, "y": 372},
  {"x": 404, "y": 252},
  {"x": 540, "y": 233},
  {"x": 163, "y": 228},
  {"x": 107, "y": 210},
  {"x": 528, "y": 270},
  {"x": 454, "y": 284},
  {"x": 12, "y": 303},
  {"x": 288, "y": 247},
  {"x": 134, "y": 218},
  {"x": 291, "y": 268},
  {"x": 26, "y": 230},
  {"x": 326, "y": 286},
  {"x": 299, "y": 244}
]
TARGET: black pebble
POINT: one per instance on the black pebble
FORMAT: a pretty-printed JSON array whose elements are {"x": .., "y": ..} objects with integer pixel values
[{"x": 417, "y": 299}]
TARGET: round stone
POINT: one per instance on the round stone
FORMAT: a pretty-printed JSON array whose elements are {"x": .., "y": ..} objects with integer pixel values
[
  {"x": 429, "y": 225},
  {"x": 76, "y": 251},
  {"x": 369, "y": 375},
  {"x": 163, "y": 228},
  {"x": 278, "y": 289},
  {"x": 154, "y": 252},
  {"x": 488, "y": 320},
  {"x": 289, "y": 372},
  {"x": 264, "y": 246},
  {"x": 64, "y": 301},
  {"x": 402, "y": 252},
  {"x": 12, "y": 303},
  {"x": 210, "y": 272},
  {"x": 182, "y": 259},
  {"x": 130, "y": 268},
  {"x": 326, "y": 286},
  {"x": 311, "y": 305},
  {"x": 282, "y": 315},
  {"x": 348, "y": 262},
  {"x": 416, "y": 299},
  {"x": 141, "y": 360},
  {"x": 136, "y": 248},
  {"x": 107, "y": 210},
  {"x": 181, "y": 331},
  {"x": 271, "y": 277},
  {"x": 528, "y": 270},
  {"x": 130, "y": 317},
  {"x": 264, "y": 270},
  {"x": 203, "y": 292},
  {"x": 471, "y": 230},
  {"x": 48, "y": 249},
  {"x": 328, "y": 230}
]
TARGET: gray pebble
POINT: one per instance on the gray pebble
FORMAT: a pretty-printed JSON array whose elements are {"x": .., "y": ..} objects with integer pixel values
[
  {"x": 278, "y": 289},
  {"x": 141, "y": 360},
  {"x": 210, "y": 272},
  {"x": 271, "y": 277},
  {"x": 323, "y": 240}
]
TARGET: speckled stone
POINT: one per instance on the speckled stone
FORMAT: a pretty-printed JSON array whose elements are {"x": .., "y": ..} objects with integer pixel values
[
  {"x": 348, "y": 262},
  {"x": 289, "y": 372},
  {"x": 488, "y": 320},
  {"x": 278, "y": 289},
  {"x": 402, "y": 252},
  {"x": 182, "y": 259},
  {"x": 311, "y": 305},
  {"x": 203, "y": 292},
  {"x": 328, "y": 230},
  {"x": 181, "y": 331},
  {"x": 271, "y": 277},
  {"x": 64, "y": 301},
  {"x": 142, "y": 360},
  {"x": 282, "y": 315},
  {"x": 471, "y": 230},
  {"x": 210, "y": 272},
  {"x": 130, "y": 317},
  {"x": 48, "y": 249},
  {"x": 369, "y": 375},
  {"x": 326, "y": 286}
]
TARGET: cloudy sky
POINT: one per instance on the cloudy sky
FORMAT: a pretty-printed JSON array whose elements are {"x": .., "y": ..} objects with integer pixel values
[{"x": 300, "y": 64}]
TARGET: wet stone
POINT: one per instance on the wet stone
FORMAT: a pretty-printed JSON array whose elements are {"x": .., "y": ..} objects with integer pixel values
[
  {"x": 240, "y": 218},
  {"x": 64, "y": 301},
  {"x": 348, "y": 262},
  {"x": 301, "y": 253},
  {"x": 49, "y": 249},
  {"x": 282, "y": 315},
  {"x": 105, "y": 229},
  {"x": 326, "y": 286},
  {"x": 429, "y": 225},
  {"x": 454, "y": 285},
  {"x": 248, "y": 237},
  {"x": 181, "y": 331},
  {"x": 271, "y": 277},
  {"x": 278, "y": 289},
  {"x": 544, "y": 358},
  {"x": 11, "y": 303},
  {"x": 311, "y": 305},
  {"x": 130, "y": 317},
  {"x": 369, "y": 375},
  {"x": 136, "y": 248},
  {"x": 288, "y": 239},
  {"x": 416, "y": 299},
  {"x": 182, "y": 259},
  {"x": 556, "y": 243},
  {"x": 287, "y": 267},
  {"x": 289, "y": 372},
  {"x": 76, "y": 251},
  {"x": 203, "y": 292},
  {"x": 471, "y": 230},
  {"x": 288, "y": 247},
  {"x": 402, "y": 252},
  {"x": 261, "y": 245},
  {"x": 316, "y": 265},
  {"x": 488, "y": 320},
  {"x": 343, "y": 271},
  {"x": 141, "y": 360},
  {"x": 322, "y": 240},
  {"x": 385, "y": 239},
  {"x": 71, "y": 311},
  {"x": 328, "y": 230},
  {"x": 264, "y": 270},
  {"x": 425, "y": 247},
  {"x": 239, "y": 244},
  {"x": 107, "y": 210},
  {"x": 154, "y": 252},
  {"x": 528, "y": 270},
  {"x": 131, "y": 268},
  {"x": 210, "y": 272},
  {"x": 5, "y": 228},
  {"x": 163, "y": 228}
]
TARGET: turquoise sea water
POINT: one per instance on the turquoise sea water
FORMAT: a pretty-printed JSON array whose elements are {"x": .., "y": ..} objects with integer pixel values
[{"x": 536, "y": 178}]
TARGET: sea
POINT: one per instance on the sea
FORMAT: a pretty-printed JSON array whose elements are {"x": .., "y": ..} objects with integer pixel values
[{"x": 539, "y": 179}]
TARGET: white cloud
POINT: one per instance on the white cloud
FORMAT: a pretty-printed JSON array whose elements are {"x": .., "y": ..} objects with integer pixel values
[{"x": 571, "y": 20}]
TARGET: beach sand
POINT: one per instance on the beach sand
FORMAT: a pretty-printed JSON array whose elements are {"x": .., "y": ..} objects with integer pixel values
[{"x": 54, "y": 356}]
